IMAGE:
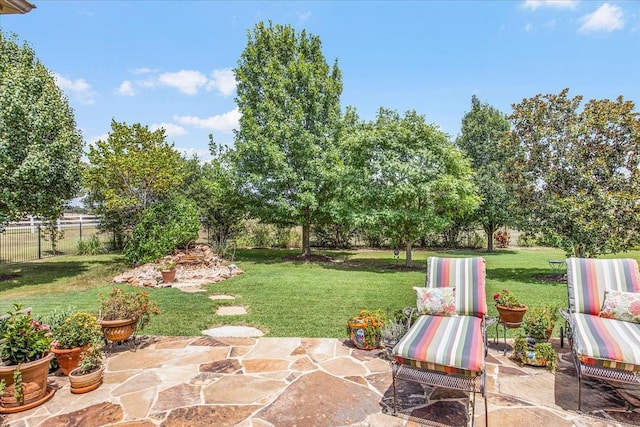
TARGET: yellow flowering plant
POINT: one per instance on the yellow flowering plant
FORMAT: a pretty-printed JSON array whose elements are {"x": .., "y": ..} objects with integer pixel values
[{"x": 77, "y": 330}]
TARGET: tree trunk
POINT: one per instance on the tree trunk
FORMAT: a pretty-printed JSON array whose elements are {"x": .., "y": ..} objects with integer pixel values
[
  {"x": 306, "y": 245},
  {"x": 490, "y": 229},
  {"x": 409, "y": 260}
]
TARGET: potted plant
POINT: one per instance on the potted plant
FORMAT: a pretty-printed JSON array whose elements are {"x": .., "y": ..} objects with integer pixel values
[
  {"x": 365, "y": 329},
  {"x": 72, "y": 337},
  {"x": 510, "y": 310},
  {"x": 88, "y": 375},
  {"x": 24, "y": 351},
  {"x": 535, "y": 353},
  {"x": 121, "y": 313},
  {"x": 538, "y": 323},
  {"x": 534, "y": 348},
  {"x": 167, "y": 267}
]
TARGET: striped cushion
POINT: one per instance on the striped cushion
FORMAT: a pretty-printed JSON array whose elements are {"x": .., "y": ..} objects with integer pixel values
[
  {"x": 606, "y": 342},
  {"x": 444, "y": 344},
  {"x": 588, "y": 278},
  {"x": 468, "y": 277}
]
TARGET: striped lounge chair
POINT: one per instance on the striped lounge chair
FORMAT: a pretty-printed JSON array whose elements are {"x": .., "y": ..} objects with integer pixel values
[
  {"x": 602, "y": 328},
  {"x": 448, "y": 350}
]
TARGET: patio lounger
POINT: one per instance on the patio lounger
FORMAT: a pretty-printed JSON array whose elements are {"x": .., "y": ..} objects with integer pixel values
[
  {"x": 602, "y": 319},
  {"x": 447, "y": 347}
]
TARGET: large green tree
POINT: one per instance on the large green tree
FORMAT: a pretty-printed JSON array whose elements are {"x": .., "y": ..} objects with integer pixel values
[
  {"x": 575, "y": 172},
  {"x": 40, "y": 147},
  {"x": 482, "y": 129},
  {"x": 289, "y": 98},
  {"x": 405, "y": 178},
  {"x": 133, "y": 168}
]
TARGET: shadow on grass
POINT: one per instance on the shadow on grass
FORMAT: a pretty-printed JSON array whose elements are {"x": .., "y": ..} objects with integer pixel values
[
  {"x": 34, "y": 273},
  {"x": 349, "y": 260}
]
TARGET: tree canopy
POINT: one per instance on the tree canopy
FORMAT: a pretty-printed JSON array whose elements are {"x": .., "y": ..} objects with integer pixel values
[
  {"x": 289, "y": 98},
  {"x": 405, "y": 178},
  {"x": 576, "y": 174},
  {"x": 482, "y": 129},
  {"x": 131, "y": 169},
  {"x": 40, "y": 147}
]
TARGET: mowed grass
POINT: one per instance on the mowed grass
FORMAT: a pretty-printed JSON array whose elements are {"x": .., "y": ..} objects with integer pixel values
[{"x": 283, "y": 297}]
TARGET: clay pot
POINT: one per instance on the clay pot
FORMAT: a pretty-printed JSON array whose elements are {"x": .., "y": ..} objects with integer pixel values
[
  {"x": 84, "y": 383},
  {"x": 34, "y": 385},
  {"x": 511, "y": 316},
  {"x": 68, "y": 359},
  {"x": 168, "y": 276},
  {"x": 118, "y": 330}
]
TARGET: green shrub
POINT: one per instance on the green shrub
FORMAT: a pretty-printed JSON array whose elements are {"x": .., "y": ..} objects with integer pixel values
[
  {"x": 164, "y": 227},
  {"x": 91, "y": 246}
]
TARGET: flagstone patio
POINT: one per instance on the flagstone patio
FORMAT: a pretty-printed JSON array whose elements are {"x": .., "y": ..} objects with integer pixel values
[{"x": 264, "y": 382}]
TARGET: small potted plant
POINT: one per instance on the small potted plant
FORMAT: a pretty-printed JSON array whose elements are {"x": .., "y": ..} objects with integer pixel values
[
  {"x": 167, "y": 267},
  {"x": 72, "y": 337},
  {"x": 534, "y": 348},
  {"x": 88, "y": 375},
  {"x": 25, "y": 344},
  {"x": 121, "y": 313},
  {"x": 511, "y": 310},
  {"x": 531, "y": 352},
  {"x": 365, "y": 329}
]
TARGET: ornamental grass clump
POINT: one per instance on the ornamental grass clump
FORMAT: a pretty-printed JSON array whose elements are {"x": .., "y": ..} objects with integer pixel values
[
  {"x": 120, "y": 305},
  {"x": 77, "y": 330},
  {"x": 507, "y": 299},
  {"x": 23, "y": 338}
]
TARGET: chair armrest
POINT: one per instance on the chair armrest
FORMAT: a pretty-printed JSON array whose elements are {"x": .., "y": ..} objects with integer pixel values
[
  {"x": 490, "y": 320},
  {"x": 565, "y": 313},
  {"x": 408, "y": 313}
]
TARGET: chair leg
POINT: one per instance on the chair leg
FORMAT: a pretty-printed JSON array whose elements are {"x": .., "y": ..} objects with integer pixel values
[
  {"x": 395, "y": 397},
  {"x": 579, "y": 391}
]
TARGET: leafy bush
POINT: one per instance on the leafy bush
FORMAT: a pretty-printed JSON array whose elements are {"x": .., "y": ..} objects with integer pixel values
[
  {"x": 164, "y": 227},
  {"x": 287, "y": 237},
  {"x": 527, "y": 240},
  {"x": 91, "y": 246},
  {"x": 502, "y": 239}
]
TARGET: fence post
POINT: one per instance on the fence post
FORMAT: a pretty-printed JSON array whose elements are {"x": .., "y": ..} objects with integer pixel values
[
  {"x": 39, "y": 243},
  {"x": 81, "y": 228}
]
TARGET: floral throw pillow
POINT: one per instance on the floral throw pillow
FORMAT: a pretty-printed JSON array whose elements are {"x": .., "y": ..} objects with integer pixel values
[
  {"x": 621, "y": 306},
  {"x": 435, "y": 301}
]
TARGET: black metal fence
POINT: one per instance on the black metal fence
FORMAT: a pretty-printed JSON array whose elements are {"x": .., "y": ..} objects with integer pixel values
[{"x": 33, "y": 239}]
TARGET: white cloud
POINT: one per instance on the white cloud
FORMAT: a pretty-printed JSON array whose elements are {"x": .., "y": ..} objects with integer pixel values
[
  {"x": 79, "y": 89},
  {"x": 169, "y": 129},
  {"x": 126, "y": 89},
  {"x": 224, "y": 80},
  {"x": 304, "y": 16},
  {"x": 558, "y": 4},
  {"x": 142, "y": 70},
  {"x": 186, "y": 81},
  {"x": 528, "y": 27},
  {"x": 607, "y": 18},
  {"x": 223, "y": 122}
]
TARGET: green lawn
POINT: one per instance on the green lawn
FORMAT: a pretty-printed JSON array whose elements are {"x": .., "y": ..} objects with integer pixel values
[{"x": 284, "y": 298}]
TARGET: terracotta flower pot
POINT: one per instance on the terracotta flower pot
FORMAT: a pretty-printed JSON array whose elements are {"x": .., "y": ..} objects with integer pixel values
[
  {"x": 511, "y": 316},
  {"x": 34, "y": 385},
  {"x": 168, "y": 276},
  {"x": 84, "y": 383},
  {"x": 68, "y": 359},
  {"x": 118, "y": 330}
]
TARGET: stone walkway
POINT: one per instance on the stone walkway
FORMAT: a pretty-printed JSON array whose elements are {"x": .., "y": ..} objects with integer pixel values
[{"x": 265, "y": 382}]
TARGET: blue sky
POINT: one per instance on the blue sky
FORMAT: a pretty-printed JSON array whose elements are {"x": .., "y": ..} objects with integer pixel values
[{"x": 168, "y": 63}]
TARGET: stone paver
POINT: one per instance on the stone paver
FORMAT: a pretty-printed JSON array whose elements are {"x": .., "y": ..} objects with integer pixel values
[
  {"x": 272, "y": 382},
  {"x": 233, "y": 331},
  {"x": 231, "y": 310}
]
